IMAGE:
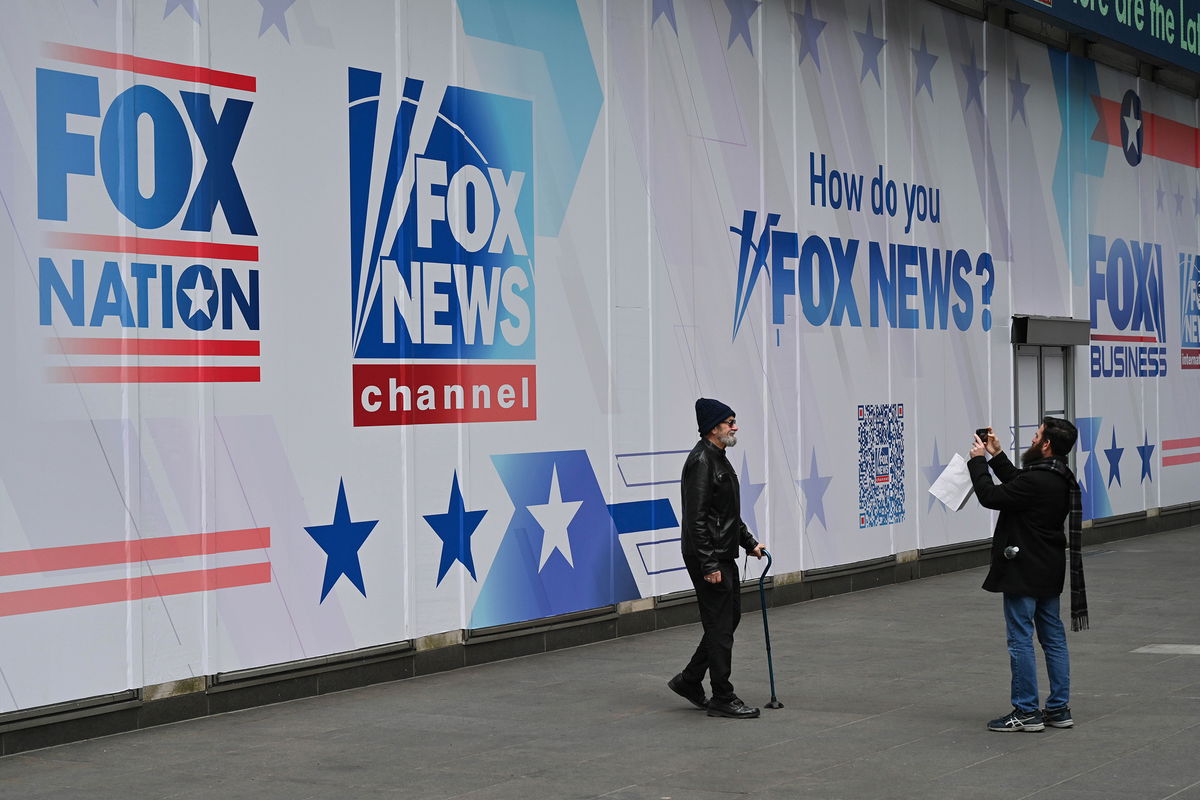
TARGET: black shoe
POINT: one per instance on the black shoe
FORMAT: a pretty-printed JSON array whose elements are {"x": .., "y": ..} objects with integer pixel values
[
  {"x": 692, "y": 692},
  {"x": 1058, "y": 717},
  {"x": 1017, "y": 720},
  {"x": 733, "y": 708}
]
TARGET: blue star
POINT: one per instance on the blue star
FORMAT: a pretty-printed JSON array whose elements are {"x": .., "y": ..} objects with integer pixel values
[
  {"x": 1113, "y": 454},
  {"x": 1018, "y": 89},
  {"x": 740, "y": 12},
  {"x": 974, "y": 76},
  {"x": 1133, "y": 133},
  {"x": 1178, "y": 202},
  {"x": 750, "y": 493},
  {"x": 1146, "y": 450},
  {"x": 664, "y": 8},
  {"x": 814, "y": 487},
  {"x": 871, "y": 46},
  {"x": 454, "y": 528},
  {"x": 340, "y": 540},
  {"x": 810, "y": 28},
  {"x": 924, "y": 63},
  {"x": 187, "y": 5},
  {"x": 273, "y": 16},
  {"x": 1196, "y": 202},
  {"x": 932, "y": 472}
]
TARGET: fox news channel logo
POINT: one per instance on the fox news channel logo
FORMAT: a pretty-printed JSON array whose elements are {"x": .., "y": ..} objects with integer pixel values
[
  {"x": 1189, "y": 311},
  {"x": 441, "y": 255},
  {"x": 160, "y": 152},
  {"x": 1125, "y": 284}
]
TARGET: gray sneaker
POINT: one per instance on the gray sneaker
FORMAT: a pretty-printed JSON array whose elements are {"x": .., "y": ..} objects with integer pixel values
[
  {"x": 1018, "y": 720},
  {"x": 1058, "y": 717}
]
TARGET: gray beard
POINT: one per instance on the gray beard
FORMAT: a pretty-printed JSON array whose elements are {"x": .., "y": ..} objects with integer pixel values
[{"x": 728, "y": 440}]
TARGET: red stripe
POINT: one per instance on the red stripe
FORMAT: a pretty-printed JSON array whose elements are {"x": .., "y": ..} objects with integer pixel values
[
  {"x": 151, "y": 247},
  {"x": 149, "y": 66},
  {"x": 1161, "y": 137},
  {"x": 1171, "y": 140},
  {"x": 153, "y": 374},
  {"x": 48, "y": 559},
  {"x": 154, "y": 347},
  {"x": 1112, "y": 337},
  {"x": 30, "y": 601},
  {"x": 1179, "y": 444},
  {"x": 1186, "y": 458}
]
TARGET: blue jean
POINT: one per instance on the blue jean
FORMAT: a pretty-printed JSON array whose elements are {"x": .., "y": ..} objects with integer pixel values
[{"x": 1022, "y": 616}]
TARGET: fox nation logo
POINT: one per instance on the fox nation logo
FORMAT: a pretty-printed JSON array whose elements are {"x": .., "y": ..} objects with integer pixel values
[
  {"x": 160, "y": 153},
  {"x": 441, "y": 254}
]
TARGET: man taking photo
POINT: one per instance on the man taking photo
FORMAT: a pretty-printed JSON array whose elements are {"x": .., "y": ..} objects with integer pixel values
[{"x": 1028, "y": 564}]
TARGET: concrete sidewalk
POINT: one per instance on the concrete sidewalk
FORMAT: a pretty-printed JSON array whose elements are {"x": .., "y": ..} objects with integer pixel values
[{"x": 887, "y": 692}]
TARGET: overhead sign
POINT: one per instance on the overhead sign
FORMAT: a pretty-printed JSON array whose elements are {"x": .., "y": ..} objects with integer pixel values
[{"x": 1166, "y": 29}]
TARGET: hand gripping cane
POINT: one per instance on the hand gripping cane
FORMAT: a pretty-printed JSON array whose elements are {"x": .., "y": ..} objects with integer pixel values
[{"x": 762, "y": 601}]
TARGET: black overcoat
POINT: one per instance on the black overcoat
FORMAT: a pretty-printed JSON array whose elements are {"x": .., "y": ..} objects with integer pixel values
[{"x": 1033, "y": 506}]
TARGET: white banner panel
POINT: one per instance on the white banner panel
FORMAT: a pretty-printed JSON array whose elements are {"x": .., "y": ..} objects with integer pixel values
[{"x": 330, "y": 325}]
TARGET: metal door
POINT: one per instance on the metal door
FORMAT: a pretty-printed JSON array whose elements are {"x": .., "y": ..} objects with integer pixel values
[{"x": 1043, "y": 384}]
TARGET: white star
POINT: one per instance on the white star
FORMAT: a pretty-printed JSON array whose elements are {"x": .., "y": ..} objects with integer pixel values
[
  {"x": 199, "y": 294},
  {"x": 554, "y": 517},
  {"x": 1132, "y": 125}
]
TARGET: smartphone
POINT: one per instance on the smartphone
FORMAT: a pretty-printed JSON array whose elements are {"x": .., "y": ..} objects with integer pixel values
[{"x": 982, "y": 433}]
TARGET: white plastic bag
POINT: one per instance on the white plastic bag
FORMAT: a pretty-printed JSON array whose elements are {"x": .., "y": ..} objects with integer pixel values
[{"x": 953, "y": 486}]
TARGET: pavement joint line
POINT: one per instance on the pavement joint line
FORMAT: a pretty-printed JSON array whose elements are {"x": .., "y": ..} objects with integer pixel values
[
  {"x": 1181, "y": 791},
  {"x": 1117, "y": 758},
  {"x": 1170, "y": 649},
  {"x": 972, "y": 765},
  {"x": 851, "y": 761}
]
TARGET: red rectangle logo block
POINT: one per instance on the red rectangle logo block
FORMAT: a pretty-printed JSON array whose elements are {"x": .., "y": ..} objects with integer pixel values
[
  {"x": 429, "y": 394},
  {"x": 1189, "y": 358}
]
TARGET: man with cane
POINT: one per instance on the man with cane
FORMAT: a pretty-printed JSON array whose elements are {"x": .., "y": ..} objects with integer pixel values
[
  {"x": 1028, "y": 563},
  {"x": 711, "y": 531}
]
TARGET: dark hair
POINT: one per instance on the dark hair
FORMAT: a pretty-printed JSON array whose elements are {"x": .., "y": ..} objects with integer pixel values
[{"x": 1061, "y": 434}]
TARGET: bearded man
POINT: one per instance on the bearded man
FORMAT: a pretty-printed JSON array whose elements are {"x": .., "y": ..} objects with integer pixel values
[
  {"x": 711, "y": 533},
  {"x": 1028, "y": 564}
]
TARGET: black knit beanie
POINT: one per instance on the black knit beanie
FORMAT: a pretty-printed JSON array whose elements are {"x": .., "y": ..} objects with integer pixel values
[{"x": 711, "y": 413}]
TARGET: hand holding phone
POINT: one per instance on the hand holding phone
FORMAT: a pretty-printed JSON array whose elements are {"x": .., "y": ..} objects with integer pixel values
[{"x": 979, "y": 443}]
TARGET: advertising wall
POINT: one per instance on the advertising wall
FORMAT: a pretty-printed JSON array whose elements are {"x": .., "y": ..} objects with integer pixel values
[{"x": 329, "y": 325}]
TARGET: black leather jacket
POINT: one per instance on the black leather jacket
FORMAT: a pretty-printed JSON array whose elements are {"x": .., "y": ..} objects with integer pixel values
[{"x": 712, "y": 526}]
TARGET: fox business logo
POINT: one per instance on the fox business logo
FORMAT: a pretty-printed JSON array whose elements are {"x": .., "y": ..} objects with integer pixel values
[
  {"x": 1125, "y": 284},
  {"x": 160, "y": 152},
  {"x": 441, "y": 255}
]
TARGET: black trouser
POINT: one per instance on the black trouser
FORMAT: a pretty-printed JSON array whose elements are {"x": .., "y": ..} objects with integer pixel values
[{"x": 720, "y": 611}]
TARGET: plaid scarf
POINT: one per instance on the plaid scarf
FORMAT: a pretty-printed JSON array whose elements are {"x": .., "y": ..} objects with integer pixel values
[{"x": 1079, "y": 610}]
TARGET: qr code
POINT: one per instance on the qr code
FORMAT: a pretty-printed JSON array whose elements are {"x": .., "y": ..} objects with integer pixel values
[{"x": 880, "y": 464}]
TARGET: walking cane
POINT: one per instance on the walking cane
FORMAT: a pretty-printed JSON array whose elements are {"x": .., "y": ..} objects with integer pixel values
[{"x": 762, "y": 601}]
